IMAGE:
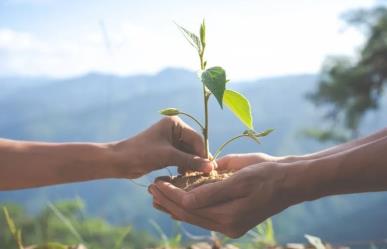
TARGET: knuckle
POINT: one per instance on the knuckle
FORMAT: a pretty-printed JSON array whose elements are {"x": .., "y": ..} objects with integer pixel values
[
  {"x": 165, "y": 120},
  {"x": 169, "y": 121}
]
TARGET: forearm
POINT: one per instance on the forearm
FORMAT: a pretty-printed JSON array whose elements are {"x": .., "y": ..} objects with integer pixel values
[
  {"x": 337, "y": 149},
  {"x": 30, "y": 164},
  {"x": 356, "y": 170}
]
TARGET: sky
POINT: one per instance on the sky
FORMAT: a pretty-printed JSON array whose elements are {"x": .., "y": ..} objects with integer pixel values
[{"x": 249, "y": 38}]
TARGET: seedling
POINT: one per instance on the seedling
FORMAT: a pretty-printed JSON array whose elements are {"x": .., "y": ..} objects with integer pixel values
[{"x": 214, "y": 82}]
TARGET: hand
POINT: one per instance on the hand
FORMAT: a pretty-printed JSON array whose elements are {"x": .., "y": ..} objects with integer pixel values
[
  {"x": 170, "y": 142},
  {"x": 232, "y": 206},
  {"x": 236, "y": 162}
]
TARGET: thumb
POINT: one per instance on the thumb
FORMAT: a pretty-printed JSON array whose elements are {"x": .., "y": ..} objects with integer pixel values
[{"x": 186, "y": 161}]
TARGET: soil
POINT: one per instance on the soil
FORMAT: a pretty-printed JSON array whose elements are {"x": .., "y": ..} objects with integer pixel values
[{"x": 191, "y": 180}]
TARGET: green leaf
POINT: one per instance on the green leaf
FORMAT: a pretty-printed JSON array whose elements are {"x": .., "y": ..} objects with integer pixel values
[
  {"x": 256, "y": 135},
  {"x": 16, "y": 233},
  {"x": 191, "y": 37},
  {"x": 264, "y": 133},
  {"x": 252, "y": 134},
  {"x": 170, "y": 112},
  {"x": 214, "y": 79},
  {"x": 240, "y": 106},
  {"x": 10, "y": 222},
  {"x": 203, "y": 34}
]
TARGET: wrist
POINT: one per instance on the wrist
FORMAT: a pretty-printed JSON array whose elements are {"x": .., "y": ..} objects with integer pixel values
[
  {"x": 124, "y": 158},
  {"x": 300, "y": 184},
  {"x": 308, "y": 180},
  {"x": 292, "y": 188},
  {"x": 104, "y": 160}
]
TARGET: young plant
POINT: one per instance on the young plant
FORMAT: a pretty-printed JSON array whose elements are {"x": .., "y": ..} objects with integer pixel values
[{"x": 214, "y": 82}]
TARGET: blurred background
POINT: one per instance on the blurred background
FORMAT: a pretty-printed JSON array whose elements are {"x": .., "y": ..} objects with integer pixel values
[{"x": 100, "y": 71}]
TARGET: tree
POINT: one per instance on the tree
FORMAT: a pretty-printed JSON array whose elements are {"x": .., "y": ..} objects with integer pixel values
[{"x": 351, "y": 87}]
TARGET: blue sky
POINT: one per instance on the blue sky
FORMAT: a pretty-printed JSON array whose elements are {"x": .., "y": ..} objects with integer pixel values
[{"x": 62, "y": 38}]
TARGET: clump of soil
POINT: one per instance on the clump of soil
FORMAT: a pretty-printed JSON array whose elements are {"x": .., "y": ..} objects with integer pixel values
[{"x": 193, "y": 179}]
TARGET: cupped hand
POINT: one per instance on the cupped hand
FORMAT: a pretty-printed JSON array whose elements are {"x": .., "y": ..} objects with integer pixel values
[
  {"x": 232, "y": 206},
  {"x": 170, "y": 142}
]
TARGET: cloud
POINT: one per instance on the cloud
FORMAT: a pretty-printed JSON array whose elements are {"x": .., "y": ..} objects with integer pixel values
[
  {"x": 262, "y": 47},
  {"x": 15, "y": 41},
  {"x": 131, "y": 49},
  {"x": 33, "y": 2}
]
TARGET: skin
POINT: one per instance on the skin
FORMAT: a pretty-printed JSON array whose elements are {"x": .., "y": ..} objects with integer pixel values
[
  {"x": 263, "y": 185},
  {"x": 166, "y": 143}
]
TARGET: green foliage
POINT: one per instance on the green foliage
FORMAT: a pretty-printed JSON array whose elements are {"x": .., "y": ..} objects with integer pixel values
[
  {"x": 256, "y": 135},
  {"x": 214, "y": 83},
  {"x": 52, "y": 245},
  {"x": 214, "y": 79},
  {"x": 192, "y": 38},
  {"x": 350, "y": 87},
  {"x": 240, "y": 106},
  {"x": 173, "y": 242},
  {"x": 266, "y": 232},
  {"x": 16, "y": 233},
  {"x": 263, "y": 236},
  {"x": 58, "y": 222},
  {"x": 66, "y": 221},
  {"x": 169, "y": 112},
  {"x": 98, "y": 234},
  {"x": 203, "y": 34}
]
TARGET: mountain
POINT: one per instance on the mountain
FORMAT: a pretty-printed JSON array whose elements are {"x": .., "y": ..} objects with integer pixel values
[{"x": 98, "y": 107}]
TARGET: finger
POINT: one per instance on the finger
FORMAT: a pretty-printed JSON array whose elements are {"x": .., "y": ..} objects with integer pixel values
[
  {"x": 224, "y": 162},
  {"x": 192, "y": 142},
  {"x": 188, "y": 161},
  {"x": 180, "y": 213},
  {"x": 228, "y": 211},
  {"x": 234, "y": 162},
  {"x": 205, "y": 169},
  {"x": 163, "y": 178},
  {"x": 203, "y": 196},
  {"x": 174, "y": 193},
  {"x": 160, "y": 208},
  {"x": 227, "y": 214}
]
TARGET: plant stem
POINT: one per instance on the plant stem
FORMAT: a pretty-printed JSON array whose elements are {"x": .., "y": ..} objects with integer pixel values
[
  {"x": 219, "y": 150},
  {"x": 193, "y": 118},
  {"x": 205, "y": 98}
]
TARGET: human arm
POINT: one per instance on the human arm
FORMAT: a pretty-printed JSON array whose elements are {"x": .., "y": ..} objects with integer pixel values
[
  {"x": 255, "y": 193},
  {"x": 238, "y": 161},
  {"x": 31, "y": 164}
]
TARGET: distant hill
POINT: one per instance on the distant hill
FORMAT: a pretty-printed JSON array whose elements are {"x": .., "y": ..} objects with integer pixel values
[{"x": 98, "y": 107}]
